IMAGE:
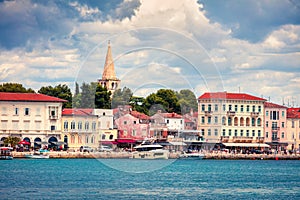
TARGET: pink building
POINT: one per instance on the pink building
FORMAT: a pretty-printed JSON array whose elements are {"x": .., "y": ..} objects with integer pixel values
[
  {"x": 276, "y": 126},
  {"x": 133, "y": 125}
]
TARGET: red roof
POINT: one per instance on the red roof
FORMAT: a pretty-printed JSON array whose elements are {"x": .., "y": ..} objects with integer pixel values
[
  {"x": 75, "y": 111},
  {"x": 171, "y": 115},
  {"x": 273, "y": 105},
  {"x": 9, "y": 96},
  {"x": 293, "y": 113},
  {"x": 139, "y": 115},
  {"x": 226, "y": 95}
]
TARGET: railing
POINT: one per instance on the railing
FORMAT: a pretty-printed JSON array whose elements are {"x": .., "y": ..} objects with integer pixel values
[
  {"x": 230, "y": 113},
  {"x": 254, "y": 114},
  {"x": 208, "y": 113},
  {"x": 275, "y": 128},
  {"x": 275, "y": 139},
  {"x": 53, "y": 117}
]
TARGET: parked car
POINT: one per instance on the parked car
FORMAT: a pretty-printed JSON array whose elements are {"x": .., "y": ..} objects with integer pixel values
[
  {"x": 105, "y": 149},
  {"x": 85, "y": 149}
]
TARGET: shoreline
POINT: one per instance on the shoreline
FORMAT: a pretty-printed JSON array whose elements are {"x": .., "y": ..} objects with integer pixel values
[{"x": 127, "y": 155}]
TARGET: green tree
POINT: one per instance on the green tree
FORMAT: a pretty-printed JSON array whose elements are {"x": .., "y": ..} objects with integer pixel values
[
  {"x": 121, "y": 97},
  {"x": 11, "y": 141},
  {"x": 169, "y": 96},
  {"x": 102, "y": 97},
  {"x": 138, "y": 104},
  {"x": 88, "y": 95},
  {"x": 187, "y": 101},
  {"x": 14, "y": 87},
  {"x": 59, "y": 91},
  {"x": 153, "y": 103}
]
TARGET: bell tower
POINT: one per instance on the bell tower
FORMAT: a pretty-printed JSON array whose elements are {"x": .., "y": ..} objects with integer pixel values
[{"x": 109, "y": 79}]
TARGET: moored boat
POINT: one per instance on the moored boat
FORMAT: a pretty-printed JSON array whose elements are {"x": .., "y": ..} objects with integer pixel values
[
  {"x": 5, "y": 153},
  {"x": 41, "y": 154},
  {"x": 192, "y": 155},
  {"x": 150, "y": 151}
]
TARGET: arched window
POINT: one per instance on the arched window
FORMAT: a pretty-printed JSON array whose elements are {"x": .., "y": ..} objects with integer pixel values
[
  {"x": 72, "y": 139},
  {"x": 66, "y": 125},
  {"x": 73, "y": 125},
  {"x": 86, "y": 139},
  {"x": 253, "y": 122},
  {"x": 224, "y": 121},
  {"x": 86, "y": 126},
  {"x": 236, "y": 121},
  {"x": 229, "y": 121},
  {"x": 242, "y": 121},
  {"x": 258, "y": 122}
]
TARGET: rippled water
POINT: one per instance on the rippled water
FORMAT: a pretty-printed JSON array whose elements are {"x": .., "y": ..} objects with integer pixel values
[{"x": 149, "y": 179}]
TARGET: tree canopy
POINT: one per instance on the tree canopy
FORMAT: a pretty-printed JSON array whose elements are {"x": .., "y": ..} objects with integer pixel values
[
  {"x": 121, "y": 97},
  {"x": 59, "y": 91},
  {"x": 15, "y": 87}
]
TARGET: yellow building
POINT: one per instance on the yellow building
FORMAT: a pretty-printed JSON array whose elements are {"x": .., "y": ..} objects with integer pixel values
[{"x": 293, "y": 128}]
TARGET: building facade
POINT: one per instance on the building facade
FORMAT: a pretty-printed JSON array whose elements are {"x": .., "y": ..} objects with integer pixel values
[
  {"x": 293, "y": 129},
  {"x": 276, "y": 126},
  {"x": 231, "y": 117},
  {"x": 33, "y": 117}
]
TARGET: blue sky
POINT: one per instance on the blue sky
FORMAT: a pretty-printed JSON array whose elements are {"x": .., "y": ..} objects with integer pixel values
[{"x": 206, "y": 45}]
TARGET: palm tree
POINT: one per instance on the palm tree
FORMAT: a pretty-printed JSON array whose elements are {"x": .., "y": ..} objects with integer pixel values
[{"x": 11, "y": 141}]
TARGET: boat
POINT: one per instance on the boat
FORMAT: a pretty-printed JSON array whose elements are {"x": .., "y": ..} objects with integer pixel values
[
  {"x": 150, "y": 151},
  {"x": 41, "y": 154},
  {"x": 191, "y": 155},
  {"x": 37, "y": 156},
  {"x": 5, "y": 153}
]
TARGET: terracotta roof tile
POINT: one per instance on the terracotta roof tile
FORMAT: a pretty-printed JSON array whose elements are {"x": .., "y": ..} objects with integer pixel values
[
  {"x": 226, "y": 95},
  {"x": 77, "y": 111},
  {"x": 8, "y": 96},
  {"x": 273, "y": 105},
  {"x": 293, "y": 113}
]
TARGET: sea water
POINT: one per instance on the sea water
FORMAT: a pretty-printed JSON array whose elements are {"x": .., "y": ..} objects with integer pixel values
[{"x": 149, "y": 179}]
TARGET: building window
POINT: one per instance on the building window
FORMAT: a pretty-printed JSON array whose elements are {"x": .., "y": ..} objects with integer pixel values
[
  {"x": 111, "y": 136},
  {"x": 209, "y": 120},
  {"x": 242, "y": 132},
  {"x": 79, "y": 139},
  {"x": 253, "y": 108},
  {"x": 103, "y": 136},
  {"x": 86, "y": 126},
  {"x": 230, "y": 107},
  {"x": 235, "y": 108},
  {"x": 202, "y": 120},
  {"x": 267, "y": 113},
  {"x": 253, "y": 133},
  {"x": 92, "y": 139},
  {"x": 167, "y": 121},
  {"x": 259, "y": 108},
  {"x": 66, "y": 124},
  {"x": 80, "y": 125},
  {"x": 73, "y": 125},
  {"x": 134, "y": 122},
  {"x": 229, "y": 132},
  {"x": 209, "y": 132},
  {"x": 293, "y": 124},
  {"x": 103, "y": 113},
  {"x": 216, "y": 132},
  {"x": 26, "y": 111},
  {"x": 209, "y": 107},
  {"x": 224, "y": 132},
  {"x": 203, "y": 132},
  {"x": 216, "y": 107},
  {"x": 258, "y": 133},
  {"x": 282, "y": 124},
  {"x": 267, "y": 124},
  {"x": 72, "y": 138},
  {"x": 247, "y": 133},
  {"x": 223, "y": 120},
  {"x": 216, "y": 119},
  {"x": 258, "y": 122},
  {"x": 229, "y": 121},
  {"x": 248, "y": 108},
  {"x": 242, "y": 108},
  {"x": 94, "y": 126},
  {"x": 203, "y": 107},
  {"x": 253, "y": 121},
  {"x": 224, "y": 107},
  {"x": 87, "y": 139},
  {"x": 235, "y": 133},
  {"x": 282, "y": 113},
  {"x": 52, "y": 128},
  {"x": 125, "y": 122},
  {"x": 267, "y": 134},
  {"x": 16, "y": 111},
  {"x": 282, "y": 135}
]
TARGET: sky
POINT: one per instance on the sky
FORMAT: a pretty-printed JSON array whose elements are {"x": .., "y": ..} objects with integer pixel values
[{"x": 206, "y": 45}]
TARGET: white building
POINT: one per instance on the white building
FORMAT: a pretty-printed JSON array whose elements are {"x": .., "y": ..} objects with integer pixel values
[
  {"x": 231, "y": 117},
  {"x": 33, "y": 117}
]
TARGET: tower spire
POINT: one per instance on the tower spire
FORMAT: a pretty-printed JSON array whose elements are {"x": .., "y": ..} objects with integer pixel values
[{"x": 109, "y": 78}]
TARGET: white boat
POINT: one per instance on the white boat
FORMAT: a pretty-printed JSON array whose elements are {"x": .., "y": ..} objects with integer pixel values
[
  {"x": 150, "y": 151},
  {"x": 42, "y": 154},
  {"x": 5, "y": 153},
  {"x": 192, "y": 155}
]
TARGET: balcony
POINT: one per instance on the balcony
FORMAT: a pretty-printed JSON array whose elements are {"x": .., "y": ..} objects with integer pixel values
[
  {"x": 208, "y": 113},
  {"x": 54, "y": 117},
  {"x": 224, "y": 138},
  {"x": 275, "y": 139},
  {"x": 242, "y": 139},
  {"x": 254, "y": 114},
  {"x": 230, "y": 113},
  {"x": 275, "y": 129},
  {"x": 260, "y": 139}
]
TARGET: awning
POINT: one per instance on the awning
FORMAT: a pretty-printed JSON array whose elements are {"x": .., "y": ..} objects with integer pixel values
[
  {"x": 59, "y": 143},
  {"x": 245, "y": 145},
  {"x": 178, "y": 143},
  {"x": 123, "y": 141}
]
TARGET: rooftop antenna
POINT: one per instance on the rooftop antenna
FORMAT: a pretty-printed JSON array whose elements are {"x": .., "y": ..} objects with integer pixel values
[
  {"x": 239, "y": 89},
  {"x": 269, "y": 99},
  {"x": 283, "y": 101}
]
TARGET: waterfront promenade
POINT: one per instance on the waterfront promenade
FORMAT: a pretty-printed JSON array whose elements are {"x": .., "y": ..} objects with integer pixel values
[{"x": 175, "y": 155}]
